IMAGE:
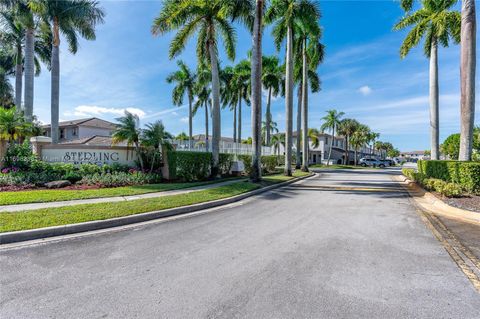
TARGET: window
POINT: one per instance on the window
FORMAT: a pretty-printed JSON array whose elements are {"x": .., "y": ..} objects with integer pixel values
[
  {"x": 62, "y": 133},
  {"x": 74, "y": 131}
]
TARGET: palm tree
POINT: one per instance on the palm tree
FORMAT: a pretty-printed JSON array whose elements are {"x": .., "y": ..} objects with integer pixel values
[
  {"x": 12, "y": 125},
  {"x": 13, "y": 37},
  {"x": 242, "y": 84},
  {"x": 273, "y": 127},
  {"x": 346, "y": 128},
  {"x": 156, "y": 137},
  {"x": 229, "y": 96},
  {"x": 307, "y": 35},
  {"x": 437, "y": 23},
  {"x": 6, "y": 68},
  {"x": 185, "y": 80},
  {"x": 71, "y": 18},
  {"x": 372, "y": 138},
  {"x": 468, "y": 59},
  {"x": 359, "y": 139},
  {"x": 272, "y": 79},
  {"x": 209, "y": 20},
  {"x": 182, "y": 137},
  {"x": 203, "y": 94},
  {"x": 331, "y": 121},
  {"x": 127, "y": 131},
  {"x": 278, "y": 140}
]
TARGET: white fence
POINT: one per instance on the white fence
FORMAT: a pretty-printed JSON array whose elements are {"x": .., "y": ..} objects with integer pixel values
[{"x": 225, "y": 147}]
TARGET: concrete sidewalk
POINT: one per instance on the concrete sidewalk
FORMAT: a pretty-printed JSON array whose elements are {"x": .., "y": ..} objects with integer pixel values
[{"x": 30, "y": 206}]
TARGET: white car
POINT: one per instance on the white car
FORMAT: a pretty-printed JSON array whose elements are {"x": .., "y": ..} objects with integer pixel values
[{"x": 372, "y": 162}]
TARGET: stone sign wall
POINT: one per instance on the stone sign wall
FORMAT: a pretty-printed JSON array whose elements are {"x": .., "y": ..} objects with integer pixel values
[{"x": 81, "y": 154}]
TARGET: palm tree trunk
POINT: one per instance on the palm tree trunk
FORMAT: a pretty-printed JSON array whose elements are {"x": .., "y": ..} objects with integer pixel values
[
  {"x": 235, "y": 123},
  {"x": 467, "y": 76},
  {"x": 289, "y": 102},
  {"x": 29, "y": 73},
  {"x": 268, "y": 116},
  {"x": 434, "y": 119},
  {"x": 298, "y": 157},
  {"x": 256, "y": 78},
  {"x": 190, "y": 122},
  {"x": 355, "y": 159},
  {"x": 206, "y": 126},
  {"x": 216, "y": 126},
  {"x": 240, "y": 119},
  {"x": 55, "y": 89},
  {"x": 140, "y": 159},
  {"x": 331, "y": 144},
  {"x": 18, "y": 78},
  {"x": 305, "y": 107}
]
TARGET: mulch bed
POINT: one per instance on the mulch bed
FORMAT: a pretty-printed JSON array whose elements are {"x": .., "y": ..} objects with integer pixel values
[{"x": 469, "y": 202}]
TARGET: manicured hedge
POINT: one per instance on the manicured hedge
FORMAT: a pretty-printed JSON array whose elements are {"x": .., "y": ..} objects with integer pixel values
[
  {"x": 448, "y": 189},
  {"x": 195, "y": 166},
  {"x": 466, "y": 174}
]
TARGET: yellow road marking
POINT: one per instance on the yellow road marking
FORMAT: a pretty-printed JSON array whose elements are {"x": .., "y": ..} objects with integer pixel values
[{"x": 349, "y": 188}]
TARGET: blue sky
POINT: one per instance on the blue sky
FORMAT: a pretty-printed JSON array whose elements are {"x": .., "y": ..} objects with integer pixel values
[{"x": 126, "y": 67}]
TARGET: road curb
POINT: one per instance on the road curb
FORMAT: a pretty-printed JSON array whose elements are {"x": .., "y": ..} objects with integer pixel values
[
  {"x": 25, "y": 235},
  {"x": 430, "y": 203}
]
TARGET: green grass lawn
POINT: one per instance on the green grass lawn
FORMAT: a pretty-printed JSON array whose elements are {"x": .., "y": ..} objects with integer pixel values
[
  {"x": 55, "y": 195},
  {"x": 39, "y": 218}
]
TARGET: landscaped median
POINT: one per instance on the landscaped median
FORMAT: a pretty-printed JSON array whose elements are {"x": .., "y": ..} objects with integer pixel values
[{"x": 12, "y": 222}]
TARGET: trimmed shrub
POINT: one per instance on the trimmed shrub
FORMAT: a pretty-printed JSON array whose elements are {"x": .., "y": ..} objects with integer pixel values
[
  {"x": 408, "y": 173},
  {"x": 117, "y": 179},
  {"x": 465, "y": 174},
  {"x": 225, "y": 163},
  {"x": 247, "y": 162},
  {"x": 189, "y": 166},
  {"x": 269, "y": 163}
]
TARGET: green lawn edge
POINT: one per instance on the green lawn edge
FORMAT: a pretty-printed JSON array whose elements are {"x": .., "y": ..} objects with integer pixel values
[
  {"x": 56, "y": 195},
  {"x": 57, "y": 216}
]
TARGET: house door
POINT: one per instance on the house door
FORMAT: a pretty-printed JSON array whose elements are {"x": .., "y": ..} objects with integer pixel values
[{"x": 315, "y": 158}]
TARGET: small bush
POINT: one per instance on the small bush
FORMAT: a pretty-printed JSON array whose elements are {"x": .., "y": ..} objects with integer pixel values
[
  {"x": 408, "y": 173},
  {"x": 19, "y": 156},
  {"x": 247, "y": 162},
  {"x": 73, "y": 177},
  {"x": 452, "y": 190},
  {"x": 225, "y": 163},
  {"x": 269, "y": 163}
]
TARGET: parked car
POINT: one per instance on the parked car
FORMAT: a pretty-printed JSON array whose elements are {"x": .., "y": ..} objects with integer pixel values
[
  {"x": 388, "y": 162},
  {"x": 372, "y": 162}
]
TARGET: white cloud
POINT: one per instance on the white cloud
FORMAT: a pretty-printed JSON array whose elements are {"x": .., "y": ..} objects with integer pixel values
[
  {"x": 91, "y": 110},
  {"x": 365, "y": 90},
  {"x": 184, "y": 119}
]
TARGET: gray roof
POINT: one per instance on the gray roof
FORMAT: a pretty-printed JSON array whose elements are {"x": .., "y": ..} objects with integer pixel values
[
  {"x": 95, "y": 140},
  {"x": 91, "y": 121}
]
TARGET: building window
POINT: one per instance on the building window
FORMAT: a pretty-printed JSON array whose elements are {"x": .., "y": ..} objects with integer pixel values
[
  {"x": 74, "y": 131},
  {"x": 62, "y": 133}
]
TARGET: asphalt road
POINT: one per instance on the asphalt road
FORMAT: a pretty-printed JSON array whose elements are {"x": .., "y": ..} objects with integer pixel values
[{"x": 328, "y": 247}]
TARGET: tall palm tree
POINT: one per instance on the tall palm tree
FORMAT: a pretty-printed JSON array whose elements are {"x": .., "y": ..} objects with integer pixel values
[
  {"x": 128, "y": 131},
  {"x": 331, "y": 121},
  {"x": 156, "y": 137},
  {"x": 242, "y": 84},
  {"x": 256, "y": 91},
  {"x": 13, "y": 37},
  {"x": 435, "y": 21},
  {"x": 373, "y": 137},
  {"x": 229, "y": 96},
  {"x": 468, "y": 57},
  {"x": 71, "y": 18},
  {"x": 209, "y": 20},
  {"x": 346, "y": 128},
  {"x": 185, "y": 81},
  {"x": 272, "y": 79},
  {"x": 307, "y": 35},
  {"x": 203, "y": 93},
  {"x": 283, "y": 14}
]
